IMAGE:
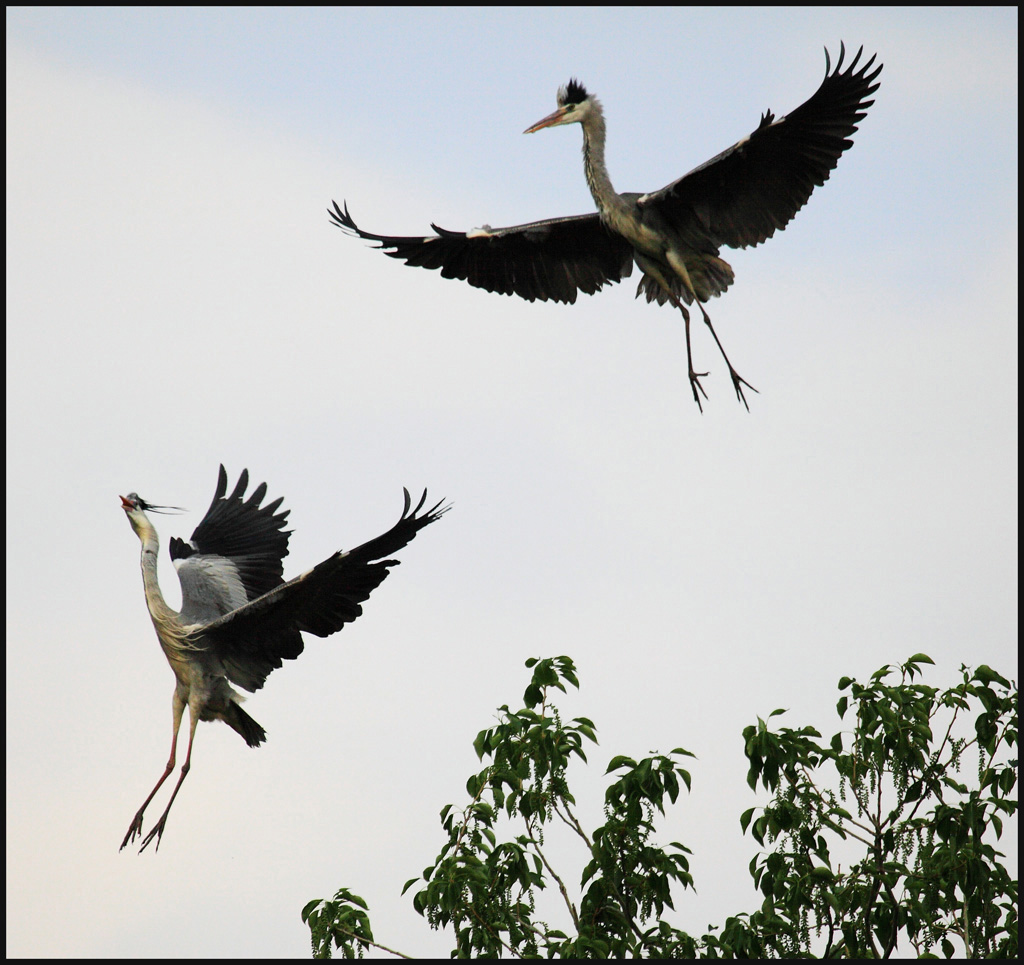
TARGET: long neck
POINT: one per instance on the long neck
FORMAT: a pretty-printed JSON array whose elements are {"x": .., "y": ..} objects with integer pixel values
[
  {"x": 163, "y": 616},
  {"x": 607, "y": 201}
]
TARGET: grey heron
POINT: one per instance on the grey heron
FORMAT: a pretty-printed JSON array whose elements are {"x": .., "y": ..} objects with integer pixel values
[
  {"x": 238, "y": 618},
  {"x": 739, "y": 198}
]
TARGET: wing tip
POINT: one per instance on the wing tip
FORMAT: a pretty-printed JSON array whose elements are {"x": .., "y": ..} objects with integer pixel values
[
  {"x": 341, "y": 218},
  {"x": 851, "y": 71},
  {"x": 429, "y": 515}
]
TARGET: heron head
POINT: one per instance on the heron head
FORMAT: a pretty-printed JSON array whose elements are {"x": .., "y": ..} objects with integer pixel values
[
  {"x": 134, "y": 503},
  {"x": 574, "y": 104}
]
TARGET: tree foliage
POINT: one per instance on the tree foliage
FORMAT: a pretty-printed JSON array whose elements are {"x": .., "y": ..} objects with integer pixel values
[{"x": 922, "y": 874}]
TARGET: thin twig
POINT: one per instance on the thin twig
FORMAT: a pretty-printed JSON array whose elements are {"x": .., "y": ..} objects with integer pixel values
[
  {"x": 554, "y": 874},
  {"x": 570, "y": 819},
  {"x": 369, "y": 941}
]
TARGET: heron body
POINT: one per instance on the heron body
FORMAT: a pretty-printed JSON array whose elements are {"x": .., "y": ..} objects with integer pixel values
[
  {"x": 739, "y": 198},
  {"x": 239, "y": 619}
]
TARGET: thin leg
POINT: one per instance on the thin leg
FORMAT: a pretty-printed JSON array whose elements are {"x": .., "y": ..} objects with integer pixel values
[
  {"x": 694, "y": 376},
  {"x": 678, "y": 265},
  {"x": 656, "y": 271},
  {"x": 158, "y": 828},
  {"x": 178, "y": 708},
  {"x": 737, "y": 380}
]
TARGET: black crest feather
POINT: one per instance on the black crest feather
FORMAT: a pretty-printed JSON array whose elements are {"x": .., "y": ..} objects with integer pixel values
[{"x": 573, "y": 93}]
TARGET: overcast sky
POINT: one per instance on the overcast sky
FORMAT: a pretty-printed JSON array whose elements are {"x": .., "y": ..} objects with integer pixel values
[{"x": 177, "y": 298}]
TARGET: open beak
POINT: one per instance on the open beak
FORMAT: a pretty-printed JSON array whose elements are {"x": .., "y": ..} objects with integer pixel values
[
  {"x": 550, "y": 121},
  {"x": 127, "y": 503}
]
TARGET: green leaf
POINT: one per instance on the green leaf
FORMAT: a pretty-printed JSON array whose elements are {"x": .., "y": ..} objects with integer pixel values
[
  {"x": 309, "y": 906},
  {"x": 987, "y": 676},
  {"x": 918, "y": 859},
  {"x": 621, "y": 761}
]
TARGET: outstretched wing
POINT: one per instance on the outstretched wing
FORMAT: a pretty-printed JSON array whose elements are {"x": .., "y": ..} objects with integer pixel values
[
  {"x": 253, "y": 640},
  {"x": 551, "y": 259},
  {"x": 235, "y": 554},
  {"x": 747, "y": 193}
]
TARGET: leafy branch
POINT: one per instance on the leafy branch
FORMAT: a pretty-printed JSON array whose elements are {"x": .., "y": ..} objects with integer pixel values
[{"x": 923, "y": 871}]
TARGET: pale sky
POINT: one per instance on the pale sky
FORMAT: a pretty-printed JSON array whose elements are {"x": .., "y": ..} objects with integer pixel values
[{"x": 177, "y": 298}]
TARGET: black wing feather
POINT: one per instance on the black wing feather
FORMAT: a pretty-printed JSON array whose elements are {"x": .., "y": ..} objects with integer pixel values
[
  {"x": 747, "y": 193},
  {"x": 253, "y": 640},
  {"x": 551, "y": 259},
  {"x": 250, "y": 536}
]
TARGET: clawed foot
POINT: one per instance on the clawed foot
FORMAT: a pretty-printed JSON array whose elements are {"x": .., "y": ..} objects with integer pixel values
[
  {"x": 737, "y": 383},
  {"x": 154, "y": 833},
  {"x": 695, "y": 385},
  {"x": 134, "y": 831}
]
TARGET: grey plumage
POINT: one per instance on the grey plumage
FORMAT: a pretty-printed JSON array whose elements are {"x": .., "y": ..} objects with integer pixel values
[
  {"x": 738, "y": 198},
  {"x": 239, "y": 619}
]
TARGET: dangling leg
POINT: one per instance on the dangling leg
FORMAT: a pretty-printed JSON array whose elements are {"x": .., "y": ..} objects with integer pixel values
[
  {"x": 158, "y": 829},
  {"x": 737, "y": 380},
  {"x": 178, "y": 707},
  {"x": 652, "y": 268},
  {"x": 694, "y": 376},
  {"x": 679, "y": 266}
]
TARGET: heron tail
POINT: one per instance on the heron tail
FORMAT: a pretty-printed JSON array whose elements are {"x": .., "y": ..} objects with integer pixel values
[{"x": 238, "y": 720}]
